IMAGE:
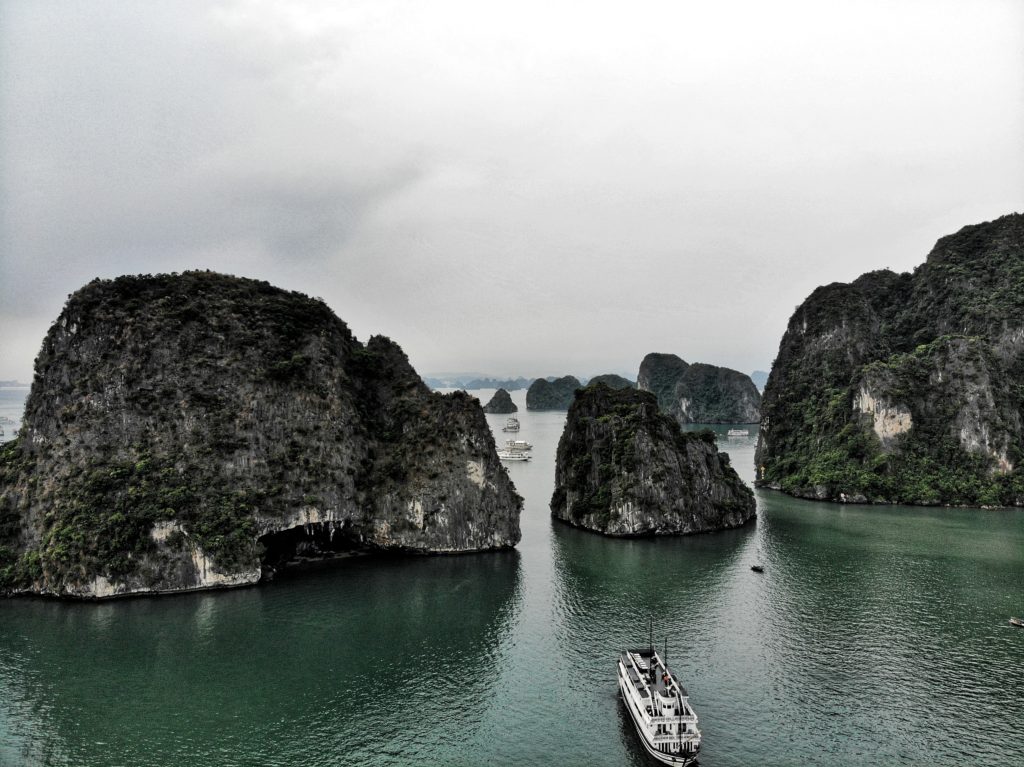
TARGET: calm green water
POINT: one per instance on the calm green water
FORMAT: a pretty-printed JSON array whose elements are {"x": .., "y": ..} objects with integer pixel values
[{"x": 875, "y": 636}]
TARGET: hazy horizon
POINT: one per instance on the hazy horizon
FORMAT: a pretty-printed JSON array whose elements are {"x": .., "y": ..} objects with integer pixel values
[{"x": 529, "y": 190}]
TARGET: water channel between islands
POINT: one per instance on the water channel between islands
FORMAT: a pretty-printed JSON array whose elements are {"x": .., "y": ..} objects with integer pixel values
[{"x": 875, "y": 635}]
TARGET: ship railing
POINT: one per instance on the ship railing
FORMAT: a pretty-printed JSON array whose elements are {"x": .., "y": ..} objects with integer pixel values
[
  {"x": 673, "y": 720},
  {"x": 673, "y": 737}
]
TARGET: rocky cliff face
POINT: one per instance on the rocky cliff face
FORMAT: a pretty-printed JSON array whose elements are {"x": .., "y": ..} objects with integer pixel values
[
  {"x": 624, "y": 468},
  {"x": 551, "y": 395},
  {"x": 501, "y": 403},
  {"x": 906, "y": 387},
  {"x": 196, "y": 430},
  {"x": 699, "y": 393}
]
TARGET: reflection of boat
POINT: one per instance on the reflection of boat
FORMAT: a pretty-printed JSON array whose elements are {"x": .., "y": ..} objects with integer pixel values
[
  {"x": 513, "y": 455},
  {"x": 512, "y": 424},
  {"x": 738, "y": 433},
  {"x": 757, "y": 568},
  {"x": 1017, "y": 622},
  {"x": 518, "y": 444},
  {"x": 659, "y": 707}
]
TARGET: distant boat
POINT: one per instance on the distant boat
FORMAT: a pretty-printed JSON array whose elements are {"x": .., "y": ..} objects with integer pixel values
[
  {"x": 757, "y": 568},
  {"x": 1018, "y": 622},
  {"x": 512, "y": 424},
  {"x": 513, "y": 455},
  {"x": 517, "y": 444},
  {"x": 738, "y": 433}
]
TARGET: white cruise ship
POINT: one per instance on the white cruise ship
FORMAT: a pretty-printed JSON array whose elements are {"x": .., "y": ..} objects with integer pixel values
[
  {"x": 512, "y": 424},
  {"x": 659, "y": 707},
  {"x": 513, "y": 455}
]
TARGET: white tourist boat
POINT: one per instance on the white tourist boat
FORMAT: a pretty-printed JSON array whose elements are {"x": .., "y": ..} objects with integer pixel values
[
  {"x": 738, "y": 433},
  {"x": 512, "y": 424},
  {"x": 517, "y": 444},
  {"x": 513, "y": 455},
  {"x": 659, "y": 707}
]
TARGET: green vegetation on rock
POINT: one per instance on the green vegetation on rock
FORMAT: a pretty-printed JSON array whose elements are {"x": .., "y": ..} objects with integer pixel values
[
  {"x": 501, "y": 402},
  {"x": 624, "y": 468},
  {"x": 178, "y": 424},
  {"x": 551, "y": 395},
  {"x": 699, "y": 393},
  {"x": 906, "y": 388},
  {"x": 612, "y": 381}
]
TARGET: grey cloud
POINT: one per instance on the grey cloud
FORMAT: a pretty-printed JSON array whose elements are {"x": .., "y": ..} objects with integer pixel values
[{"x": 535, "y": 191}]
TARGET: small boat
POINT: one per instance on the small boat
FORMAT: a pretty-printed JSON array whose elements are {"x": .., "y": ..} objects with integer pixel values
[
  {"x": 518, "y": 444},
  {"x": 1018, "y": 622},
  {"x": 738, "y": 433},
  {"x": 659, "y": 707},
  {"x": 513, "y": 455},
  {"x": 512, "y": 424},
  {"x": 757, "y": 568}
]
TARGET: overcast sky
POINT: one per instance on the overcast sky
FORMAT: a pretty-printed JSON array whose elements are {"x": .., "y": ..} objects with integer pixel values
[{"x": 524, "y": 188}]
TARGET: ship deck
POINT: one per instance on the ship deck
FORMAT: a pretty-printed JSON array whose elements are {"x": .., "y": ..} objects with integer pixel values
[{"x": 644, "y": 659}]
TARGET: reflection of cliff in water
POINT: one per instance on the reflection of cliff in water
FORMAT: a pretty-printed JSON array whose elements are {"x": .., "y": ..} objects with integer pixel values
[
  {"x": 608, "y": 586},
  {"x": 385, "y": 660}
]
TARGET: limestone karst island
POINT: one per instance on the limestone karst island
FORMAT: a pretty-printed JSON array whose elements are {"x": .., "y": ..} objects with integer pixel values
[
  {"x": 501, "y": 403},
  {"x": 906, "y": 388},
  {"x": 624, "y": 468},
  {"x": 200, "y": 430}
]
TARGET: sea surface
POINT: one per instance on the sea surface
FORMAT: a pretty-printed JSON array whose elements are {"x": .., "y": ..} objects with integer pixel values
[
  {"x": 12, "y": 407},
  {"x": 874, "y": 636}
]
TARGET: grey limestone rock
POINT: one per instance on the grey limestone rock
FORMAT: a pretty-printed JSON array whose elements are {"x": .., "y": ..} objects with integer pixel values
[
  {"x": 501, "y": 403},
  {"x": 196, "y": 430},
  {"x": 612, "y": 380},
  {"x": 626, "y": 469},
  {"x": 906, "y": 388},
  {"x": 699, "y": 393},
  {"x": 551, "y": 395}
]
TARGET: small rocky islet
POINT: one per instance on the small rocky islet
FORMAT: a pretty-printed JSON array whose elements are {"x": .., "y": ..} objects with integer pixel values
[
  {"x": 198, "y": 430},
  {"x": 624, "y": 468},
  {"x": 906, "y": 388},
  {"x": 501, "y": 404}
]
